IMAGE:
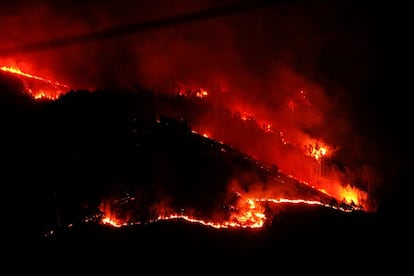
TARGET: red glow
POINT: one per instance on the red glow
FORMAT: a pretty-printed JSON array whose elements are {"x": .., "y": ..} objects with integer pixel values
[
  {"x": 38, "y": 87},
  {"x": 197, "y": 92},
  {"x": 278, "y": 146},
  {"x": 294, "y": 152}
]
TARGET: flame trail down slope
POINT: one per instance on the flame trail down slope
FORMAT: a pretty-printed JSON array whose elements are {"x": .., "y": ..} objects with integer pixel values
[{"x": 38, "y": 87}]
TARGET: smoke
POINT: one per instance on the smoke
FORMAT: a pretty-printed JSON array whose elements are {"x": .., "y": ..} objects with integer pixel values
[
  {"x": 294, "y": 63},
  {"x": 239, "y": 50},
  {"x": 257, "y": 60}
]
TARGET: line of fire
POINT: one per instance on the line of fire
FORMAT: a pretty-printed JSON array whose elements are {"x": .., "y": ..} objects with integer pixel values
[{"x": 228, "y": 167}]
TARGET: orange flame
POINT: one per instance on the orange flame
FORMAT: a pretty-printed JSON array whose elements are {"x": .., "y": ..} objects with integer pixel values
[
  {"x": 198, "y": 92},
  {"x": 249, "y": 212},
  {"x": 318, "y": 150},
  {"x": 348, "y": 194},
  {"x": 201, "y": 93},
  {"x": 111, "y": 221},
  {"x": 352, "y": 195},
  {"x": 49, "y": 89}
]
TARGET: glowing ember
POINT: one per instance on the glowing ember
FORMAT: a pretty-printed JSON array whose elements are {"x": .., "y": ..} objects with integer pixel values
[
  {"x": 38, "y": 87},
  {"x": 300, "y": 99},
  {"x": 267, "y": 127},
  {"x": 201, "y": 93},
  {"x": 111, "y": 221},
  {"x": 198, "y": 92},
  {"x": 218, "y": 225},
  {"x": 316, "y": 151},
  {"x": 302, "y": 201},
  {"x": 246, "y": 116}
]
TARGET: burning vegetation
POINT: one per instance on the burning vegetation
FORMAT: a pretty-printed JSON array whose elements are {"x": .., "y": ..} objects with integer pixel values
[
  {"x": 250, "y": 192},
  {"x": 36, "y": 86},
  {"x": 213, "y": 136}
]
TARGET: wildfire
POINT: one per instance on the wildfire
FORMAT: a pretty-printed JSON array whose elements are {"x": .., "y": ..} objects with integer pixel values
[
  {"x": 111, "y": 221},
  {"x": 198, "y": 92},
  {"x": 217, "y": 225},
  {"x": 248, "y": 212},
  {"x": 38, "y": 87},
  {"x": 201, "y": 93},
  {"x": 316, "y": 151},
  {"x": 352, "y": 195},
  {"x": 303, "y": 201},
  {"x": 246, "y": 116},
  {"x": 311, "y": 147},
  {"x": 349, "y": 194}
]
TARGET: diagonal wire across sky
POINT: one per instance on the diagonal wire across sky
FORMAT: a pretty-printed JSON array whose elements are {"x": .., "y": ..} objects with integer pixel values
[{"x": 124, "y": 30}]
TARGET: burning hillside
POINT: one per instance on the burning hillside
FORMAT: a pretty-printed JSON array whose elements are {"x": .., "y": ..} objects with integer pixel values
[
  {"x": 226, "y": 124},
  {"x": 255, "y": 194},
  {"x": 215, "y": 119},
  {"x": 37, "y": 87},
  {"x": 248, "y": 194},
  {"x": 304, "y": 159}
]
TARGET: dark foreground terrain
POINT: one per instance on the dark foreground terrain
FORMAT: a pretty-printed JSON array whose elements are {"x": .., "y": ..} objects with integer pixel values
[{"x": 298, "y": 240}]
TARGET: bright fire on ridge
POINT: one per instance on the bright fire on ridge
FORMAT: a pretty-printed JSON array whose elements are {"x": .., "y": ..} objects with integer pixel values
[{"x": 49, "y": 90}]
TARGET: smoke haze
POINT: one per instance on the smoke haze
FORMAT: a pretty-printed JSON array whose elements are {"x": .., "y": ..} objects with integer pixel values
[{"x": 324, "y": 58}]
